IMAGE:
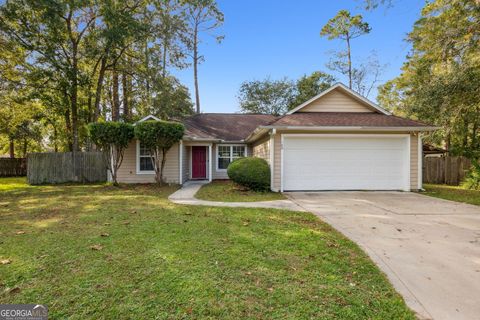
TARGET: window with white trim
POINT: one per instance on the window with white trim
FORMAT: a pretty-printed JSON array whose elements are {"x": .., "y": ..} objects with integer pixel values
[
  {"x": 227, "y": 154},
  {"x": 144, "y": 159}
]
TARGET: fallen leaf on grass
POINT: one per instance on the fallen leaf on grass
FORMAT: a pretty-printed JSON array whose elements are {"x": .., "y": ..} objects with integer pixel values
[
  {"x": 20, "y": 232},
  {"x": 332, "y": 244},
  {"x": 13, "y": 290},
  {"x": 5, "y": 261},
  {"x": 96, "y": 247}
]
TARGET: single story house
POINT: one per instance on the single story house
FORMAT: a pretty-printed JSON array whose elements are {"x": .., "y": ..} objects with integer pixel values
[{"x": 338, "y": 140}]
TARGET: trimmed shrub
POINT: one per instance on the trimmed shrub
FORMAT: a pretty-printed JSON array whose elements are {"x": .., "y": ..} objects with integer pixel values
[
  {"x": 159, "y": 137},
  {"x": 112, "y": 138},
  {"x": 472, "y": 179},
  {"x": 253, "y": 173}
]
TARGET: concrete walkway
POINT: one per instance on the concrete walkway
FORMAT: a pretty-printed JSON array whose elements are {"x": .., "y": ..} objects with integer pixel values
[
  {"x": 429, "y": 248},
  {"x": 186, "y": 195}
]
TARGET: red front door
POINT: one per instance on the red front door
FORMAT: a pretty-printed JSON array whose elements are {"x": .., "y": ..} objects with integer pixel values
[{"x": 199, "y": 162}]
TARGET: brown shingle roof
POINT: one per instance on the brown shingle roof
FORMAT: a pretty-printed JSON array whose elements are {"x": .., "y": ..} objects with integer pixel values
[
  {"x": 345, "y": 119},
  {"x": 225, "y": 126}
]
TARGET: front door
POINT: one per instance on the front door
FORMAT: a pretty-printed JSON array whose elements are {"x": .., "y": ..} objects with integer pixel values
[{"x": 199, "y": 162}]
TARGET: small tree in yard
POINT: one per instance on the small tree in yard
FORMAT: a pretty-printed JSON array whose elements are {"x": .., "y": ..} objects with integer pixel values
[
  {"x": 112, "y": 138},
  {"x": 159, "y": 137}
]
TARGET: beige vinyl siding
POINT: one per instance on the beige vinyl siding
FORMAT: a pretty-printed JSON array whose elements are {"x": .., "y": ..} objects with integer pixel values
[
  {"x": 185, "y": 163},
  {"x": 261, "y": 148},
  {"x": 414, "y": 170},
  {"x": 277, "y": 160},
  {"x": 127, "y": 172},
  {"x": 336, "y": 101}
]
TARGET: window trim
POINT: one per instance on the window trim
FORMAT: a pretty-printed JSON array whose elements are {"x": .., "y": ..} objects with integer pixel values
[
  {"x": 138, "y": 162},
  {"x": 245, "y": 153}
]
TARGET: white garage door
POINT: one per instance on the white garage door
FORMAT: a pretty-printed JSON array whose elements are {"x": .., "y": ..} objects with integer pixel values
[{"x": 349, "y": 162}]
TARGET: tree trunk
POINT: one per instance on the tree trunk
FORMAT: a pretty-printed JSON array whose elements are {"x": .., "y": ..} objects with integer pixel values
[
  {"x": 25, "y": 147},
  {"x": 68, "y": 126},
  {"x": 55, "y": 137},
  {"x": 474, "y": 142},
  {"x": 98, "y": 92},
  {"x": 11, "y": 147},
  {"x": 195, "y": 68},
  {"x": 116, "y": 97},
  {"x": 164, "y": 60},
  {"x": 154, "y": 155},
  {"x": 74, "y": 95},
  {"x": 125, "y": 89},
  {"x": 349, "y": 55},
  {"x": 448, "y": 141},
  {"x": 147, "y": 68}
]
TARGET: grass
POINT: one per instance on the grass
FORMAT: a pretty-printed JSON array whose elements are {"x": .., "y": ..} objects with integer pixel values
[
  {"x": 158, "y": 260},
  {"x": 454, "y": 193},
  {"x": 228, "y": 191}
]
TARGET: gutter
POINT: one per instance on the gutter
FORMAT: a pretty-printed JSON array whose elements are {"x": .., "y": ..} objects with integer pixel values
[
  {"x": 350, "y": 128},
  {"x": 194, "y": 139}
]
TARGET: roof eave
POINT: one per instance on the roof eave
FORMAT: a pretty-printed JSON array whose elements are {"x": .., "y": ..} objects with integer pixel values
[
  {"x": 353, "y": 128},
  {"x": 257, "y": 133},
  {"x": 199, "y": 139},
  {"x": 215, "y": 140}
]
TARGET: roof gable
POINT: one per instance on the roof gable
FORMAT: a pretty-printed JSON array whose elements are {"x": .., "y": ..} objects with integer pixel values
[
  {"x": 149, "y": 117},
  {"x": 338, "y": 98}
]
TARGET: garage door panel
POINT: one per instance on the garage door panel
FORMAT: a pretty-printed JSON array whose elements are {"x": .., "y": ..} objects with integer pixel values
[{"x": 327, "y": 163}]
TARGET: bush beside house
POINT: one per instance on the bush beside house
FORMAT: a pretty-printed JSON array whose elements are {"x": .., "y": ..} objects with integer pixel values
[
  {"x": 112, "y": 138},
  {"x": 159, "y": 137},
  {"x": 253, "y": 173}
]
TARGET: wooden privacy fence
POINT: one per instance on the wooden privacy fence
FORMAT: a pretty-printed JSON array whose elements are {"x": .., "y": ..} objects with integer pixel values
[
  {"x": 60, "y": 167},
  {"x": 13, "y": 167},
  {"x": 445, "y": 170}
]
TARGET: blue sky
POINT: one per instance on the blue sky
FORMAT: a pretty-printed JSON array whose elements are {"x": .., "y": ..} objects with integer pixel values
[{"x": 281, "y": 39}]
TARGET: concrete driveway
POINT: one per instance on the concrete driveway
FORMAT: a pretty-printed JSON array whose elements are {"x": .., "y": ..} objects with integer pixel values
[{"x": 429, "y": 248}]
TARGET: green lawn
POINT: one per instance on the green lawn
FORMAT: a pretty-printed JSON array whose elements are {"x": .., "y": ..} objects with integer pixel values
[
  {"x": 102, "y": 252},
  {"x": 453, "y": 193},
  {"x": 229, "y": 192}
]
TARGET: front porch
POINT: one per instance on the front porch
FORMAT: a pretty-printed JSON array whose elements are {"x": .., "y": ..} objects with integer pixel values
[
  {"x": 207, "y": 160},
  {"x": 195, "y": 159}
]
